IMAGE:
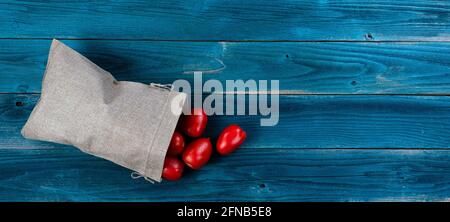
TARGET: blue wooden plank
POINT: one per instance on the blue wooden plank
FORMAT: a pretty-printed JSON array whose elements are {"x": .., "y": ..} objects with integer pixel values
[
  {"x": 227, "y": 20},
  {"x": 304, "y": 122},
  {"x": 302, "y": 68},
  {"x": 66, "y": 174}
]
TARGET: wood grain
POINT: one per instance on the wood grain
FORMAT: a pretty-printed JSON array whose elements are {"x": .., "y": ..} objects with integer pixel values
[
  {"x": 301, "y": 68},
  {"x": 66, "y": 174},
  {"x": 384, "y": 139},
  {"x": 227, "y": 20},
  {"x": 304, "y": 122}
]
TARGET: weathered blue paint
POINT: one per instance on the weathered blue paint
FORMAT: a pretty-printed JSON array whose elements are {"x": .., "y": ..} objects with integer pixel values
[
  {"x": 227, "y": 20},
  {"x": 305, "y": 122},
  {"x": 301, "y": 68},
  {"x": 398, "y": 143},
  {"x": 66, "y": 174}
]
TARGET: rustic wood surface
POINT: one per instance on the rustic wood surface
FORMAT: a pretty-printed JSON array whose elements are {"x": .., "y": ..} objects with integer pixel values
[
  {"x": 304, "y": 122},
  {"x": 66, "y": 174},
  {"x": 301, "y": 68},
  {"x": 364, "y": 110},
  {"x": 305, "y": 20}
]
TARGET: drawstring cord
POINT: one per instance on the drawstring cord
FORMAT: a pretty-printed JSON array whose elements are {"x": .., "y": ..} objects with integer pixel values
[
  {"x": 136, "y": 175},
  {"x": 162, "y": 86}
]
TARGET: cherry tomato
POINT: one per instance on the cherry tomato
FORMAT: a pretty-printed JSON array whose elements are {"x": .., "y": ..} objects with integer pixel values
[
  {"x": 193, "y": 125},
  {"x": 176, "y": 144},
  {"x": 197, "y": 153},
  {"x": 230, "y": 139},
  {"x": 173, "y": 168}
]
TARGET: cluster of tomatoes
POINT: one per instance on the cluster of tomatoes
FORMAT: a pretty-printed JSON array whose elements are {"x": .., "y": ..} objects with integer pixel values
[{"x": 198, "y": 152}]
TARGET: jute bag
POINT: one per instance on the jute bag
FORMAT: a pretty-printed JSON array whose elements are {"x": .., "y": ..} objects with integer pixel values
[{"x": 128, "y": 123}]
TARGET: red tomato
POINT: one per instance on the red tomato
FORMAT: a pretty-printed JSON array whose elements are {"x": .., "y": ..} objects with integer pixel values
[
  {"x": 230, "y": 139},
  {"x": 176, "y": 145},
  {"x": 193, "y": 125},
  {"x": 173, "y": 168},
  {"x": 197, "y": 153}
]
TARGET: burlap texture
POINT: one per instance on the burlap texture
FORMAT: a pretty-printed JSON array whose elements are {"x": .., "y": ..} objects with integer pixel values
[{"x": 128, "y": 123}]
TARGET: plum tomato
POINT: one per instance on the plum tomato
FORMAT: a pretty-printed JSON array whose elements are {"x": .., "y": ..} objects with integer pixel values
[
  {"x": 230, "y": 139},
  {"x": 173, "y": 168},
  {"x": 194, "y": 124},
  {"x": 176, "y": 145},
  {"x": 197, "y": 153}
]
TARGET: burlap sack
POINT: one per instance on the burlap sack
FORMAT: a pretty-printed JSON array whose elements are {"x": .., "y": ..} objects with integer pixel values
[{"x": 128, "y": 123}]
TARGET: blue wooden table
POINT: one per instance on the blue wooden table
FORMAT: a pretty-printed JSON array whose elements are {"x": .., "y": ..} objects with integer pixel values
[{"x": 364, "y": 104}]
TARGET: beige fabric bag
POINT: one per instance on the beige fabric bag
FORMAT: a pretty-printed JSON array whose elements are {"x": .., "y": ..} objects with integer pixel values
[{"x": 128, "y": 123}]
